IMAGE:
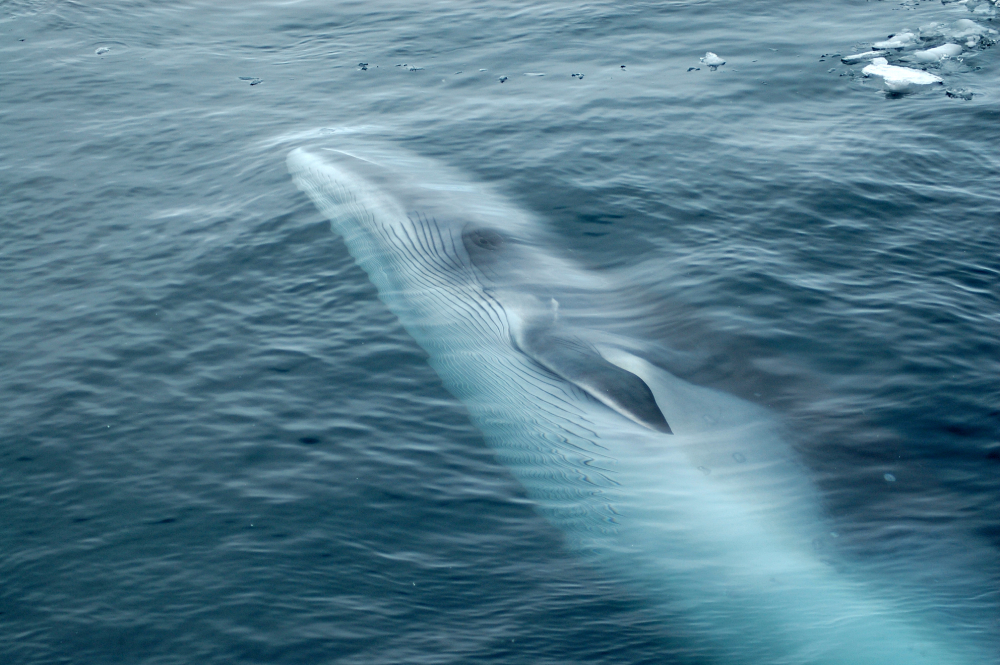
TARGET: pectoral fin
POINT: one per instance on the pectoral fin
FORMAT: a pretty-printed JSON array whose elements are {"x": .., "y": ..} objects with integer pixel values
[{"x": 582, "y": 366}]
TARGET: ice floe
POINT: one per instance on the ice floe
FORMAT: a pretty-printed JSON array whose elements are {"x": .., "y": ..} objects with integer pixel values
[
  {"x": 858, "y": 57},
  {"x": 938, "y": 53},
  {"x": 899, "y": 79},
  {"x": 899, "y": 40},
  {"x": 712, "y": 60},
  {"x": 942, "y": 48},
  {"x": 970, "y": 31}
]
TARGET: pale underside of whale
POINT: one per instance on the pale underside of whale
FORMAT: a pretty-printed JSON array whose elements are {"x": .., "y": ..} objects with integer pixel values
[{"x": 683, "y": 494}]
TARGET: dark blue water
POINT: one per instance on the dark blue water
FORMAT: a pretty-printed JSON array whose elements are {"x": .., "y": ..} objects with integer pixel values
[{"x": 218, "y": 446}]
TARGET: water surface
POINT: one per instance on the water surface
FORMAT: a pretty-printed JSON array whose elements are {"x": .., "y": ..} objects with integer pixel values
[{"x": 219, "y": 446}]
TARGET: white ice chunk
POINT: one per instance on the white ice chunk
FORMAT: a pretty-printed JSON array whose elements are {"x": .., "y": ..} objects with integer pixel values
[
  {"x": 858, "y": 57},
  {"x": 900, "y": 40},
  {"x": 899, "y": 79},
  {"x": 938, "y": 53},
  {"x": 712, "y": 60}
]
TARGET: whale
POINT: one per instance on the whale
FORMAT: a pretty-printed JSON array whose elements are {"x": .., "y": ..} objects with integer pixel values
[{"x": 689, "y": 498}]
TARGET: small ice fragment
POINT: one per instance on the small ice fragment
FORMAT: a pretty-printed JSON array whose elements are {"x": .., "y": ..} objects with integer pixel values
[
  {"x": 534, "y": 74},
  {"x": 900, "y": 40},
  {"x": 416, "y": 69},
  {"x": 579, "y": 76},
  {"x": 102, "y": 50},
  {"x": 931, "y": 30},
  {"x": 890, "y": 478},
  {"x": 899, "y": 79},
  {"x": 858, "y": 57},
  {"x": 938, "y": 53},
  {"x": 363, "y": 66},
  {"x": 482, "y": 70},
  {"x": 502, "y": 79},
  {"x": 712, "y": 60},
  {"x": 959, "y": 93},
  {"x": 694, "y": 69}
]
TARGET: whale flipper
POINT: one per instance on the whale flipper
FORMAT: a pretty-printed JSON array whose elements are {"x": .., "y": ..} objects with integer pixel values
[{"x": 583, "y": 366}]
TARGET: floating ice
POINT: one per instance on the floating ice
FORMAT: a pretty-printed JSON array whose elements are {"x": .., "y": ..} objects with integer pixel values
[
  {"x": 899, "y": 79},
  {"x": 938, "y": 53},
  {"x": 965, "y": 30},
  {"x": 962, "y": 29},
  {"x": 889, "y": 478},
  {"x": 965, "y": 27},
  {"x": 712, "y": 60},
  {"x": 932, "y": 30},
  {"x": 971, "y": 5},
  {"x": 900, "y": 40},
  {"x": 858, "y": 57},
  {"x": 959, "y": 93},
  {"x": 937, "y": 45},
  {"x": 102, "y": 50}
]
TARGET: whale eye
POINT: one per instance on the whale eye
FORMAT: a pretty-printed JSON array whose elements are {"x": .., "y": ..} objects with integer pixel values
[{"x": 487, "y": 239}]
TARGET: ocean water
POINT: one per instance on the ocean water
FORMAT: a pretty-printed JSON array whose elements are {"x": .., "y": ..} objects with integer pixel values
[{"x": 218, "y": 446}]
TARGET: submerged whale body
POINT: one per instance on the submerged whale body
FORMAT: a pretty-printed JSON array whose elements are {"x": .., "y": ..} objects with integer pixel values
[{"x": 686, "y": 495}]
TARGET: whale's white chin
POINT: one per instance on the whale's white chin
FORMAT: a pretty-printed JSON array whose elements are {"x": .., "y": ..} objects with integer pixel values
[{"x": 709, "y": 516}]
